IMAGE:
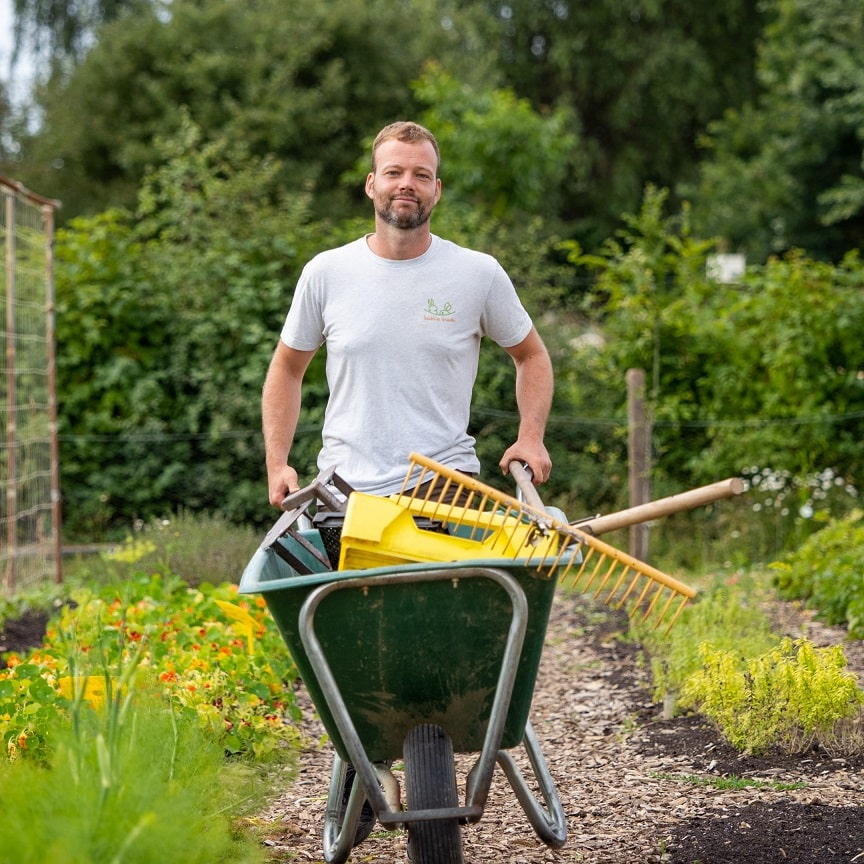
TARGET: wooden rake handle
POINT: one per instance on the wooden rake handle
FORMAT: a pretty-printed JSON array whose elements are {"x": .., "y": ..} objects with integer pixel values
[
  {"x": 663, "y": 506},
  {"x": 524, "y": 480},
  {"x": 689, "y": 500}
]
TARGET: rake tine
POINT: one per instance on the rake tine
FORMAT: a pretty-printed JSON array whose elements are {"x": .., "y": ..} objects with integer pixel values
[
  {"x": 486, "y": 517},
  {"x": 546, "y": 555},
  {"x": 641, "y": 599},
  {"x": 664, "y": 611},
  {"x": 624, "y": 572},
  {"x": 634, "y": 582},
  {"x": 681, "y": 604},
  {"x": 423, "y": 471},
  {"x": 442, "y": 498},
  {"x": 606, "y": 578},
  {"x": 569, "y": 565},
  {"x": 509, "y": 534},
  {"x": 594, "y": 572},
  {"x": 653, "y": 603},
  {"x": 584, "y": 572}
]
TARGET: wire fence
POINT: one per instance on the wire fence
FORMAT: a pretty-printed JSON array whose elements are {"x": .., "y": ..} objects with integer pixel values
[
  {"x": 29, "y": 461},
  {"x": 590, "y": 478}
]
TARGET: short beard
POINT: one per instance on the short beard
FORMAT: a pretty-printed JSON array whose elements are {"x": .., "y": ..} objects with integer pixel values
[{"x": 409, "y": 221}]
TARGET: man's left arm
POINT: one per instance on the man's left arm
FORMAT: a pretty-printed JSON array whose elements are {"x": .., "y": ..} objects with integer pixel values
[{"x": 534, "y": 387}]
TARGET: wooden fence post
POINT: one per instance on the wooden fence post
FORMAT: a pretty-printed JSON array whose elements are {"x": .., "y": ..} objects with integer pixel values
[{"x": 639, "y": 447}]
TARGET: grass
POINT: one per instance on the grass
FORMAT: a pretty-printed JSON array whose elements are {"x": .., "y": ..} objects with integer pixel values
[
  {"x": 730, "y": 783},
  {"x": 195, "y": 547},
  {"x": 129, "y": 782}
]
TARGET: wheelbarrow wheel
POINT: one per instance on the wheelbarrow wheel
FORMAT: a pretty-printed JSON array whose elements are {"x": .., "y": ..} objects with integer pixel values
[{"x": 430, "y": 783}]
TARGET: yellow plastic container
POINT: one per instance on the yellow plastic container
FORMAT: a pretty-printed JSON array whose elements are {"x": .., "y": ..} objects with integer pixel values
[{"x": 379, "y": 532}]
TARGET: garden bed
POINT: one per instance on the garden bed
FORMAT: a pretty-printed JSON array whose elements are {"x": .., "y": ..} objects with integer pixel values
[{"x": 635, "y": 787}]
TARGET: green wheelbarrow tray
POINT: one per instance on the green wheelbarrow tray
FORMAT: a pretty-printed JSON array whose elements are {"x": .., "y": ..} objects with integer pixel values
[{"x": 382, "y": 650}]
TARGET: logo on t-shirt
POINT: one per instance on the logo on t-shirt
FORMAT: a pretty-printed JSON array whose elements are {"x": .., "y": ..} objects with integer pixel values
[{"x": 434, "y": 312}]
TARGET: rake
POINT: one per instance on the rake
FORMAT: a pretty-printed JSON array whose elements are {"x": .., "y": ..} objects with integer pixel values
[{"x": 504, "y": 526}]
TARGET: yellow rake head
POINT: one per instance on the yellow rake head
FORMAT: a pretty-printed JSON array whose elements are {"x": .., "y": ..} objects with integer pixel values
[{"x": 506, "y": 527}]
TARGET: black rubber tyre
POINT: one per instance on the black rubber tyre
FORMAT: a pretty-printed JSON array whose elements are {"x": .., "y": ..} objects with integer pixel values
[{"x": 430, "y": 783}]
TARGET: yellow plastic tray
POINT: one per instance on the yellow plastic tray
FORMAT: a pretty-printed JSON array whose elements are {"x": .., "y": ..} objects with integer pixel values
[{"x": 379, "y": 532}]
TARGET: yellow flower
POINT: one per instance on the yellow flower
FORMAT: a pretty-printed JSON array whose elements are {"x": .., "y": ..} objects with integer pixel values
[{"x": 92, "y": 688}]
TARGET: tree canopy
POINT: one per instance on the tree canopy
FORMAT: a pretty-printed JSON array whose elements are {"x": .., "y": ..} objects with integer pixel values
[
  {"x": 786, "y": 169},
  {"x": 631, "y": 88}
]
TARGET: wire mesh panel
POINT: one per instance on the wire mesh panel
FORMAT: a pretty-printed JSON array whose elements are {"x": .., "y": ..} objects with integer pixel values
[{"x": 29, "y": 507}]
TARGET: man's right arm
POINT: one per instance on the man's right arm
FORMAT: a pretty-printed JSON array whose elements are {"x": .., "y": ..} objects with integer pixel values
[{"x": 280, "y": 411}]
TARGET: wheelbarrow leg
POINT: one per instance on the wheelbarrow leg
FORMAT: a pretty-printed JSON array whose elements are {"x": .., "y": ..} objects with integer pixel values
[
  {"x": 548, "y": 822},
  {"x": 344, "y": 823},
  {"x": 340, "y": 826}
]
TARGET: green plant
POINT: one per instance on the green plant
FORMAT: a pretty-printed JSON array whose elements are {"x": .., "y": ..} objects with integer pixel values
[
  {"x": 731, "y": 782},
  {"x": 789, "y": 697},
  {"x": 43, "y": 597},
  {"x": 825, "y": 571},
  {"x": 130, "y": 782},
  {"x": 197, "y": 547}
]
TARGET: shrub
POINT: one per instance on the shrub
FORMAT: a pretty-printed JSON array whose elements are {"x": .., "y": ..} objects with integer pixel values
[
  {"x": 729, "y": 616},
  {"x": 790, "y": 697},
  {"x": 826, "y": 573}
]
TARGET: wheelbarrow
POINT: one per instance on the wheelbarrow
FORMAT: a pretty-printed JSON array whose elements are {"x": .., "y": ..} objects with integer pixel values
[{"x": 425, "y": 642}]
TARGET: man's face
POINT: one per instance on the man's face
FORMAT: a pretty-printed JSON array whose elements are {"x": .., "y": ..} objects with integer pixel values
[{"x": 404, "y": 186}]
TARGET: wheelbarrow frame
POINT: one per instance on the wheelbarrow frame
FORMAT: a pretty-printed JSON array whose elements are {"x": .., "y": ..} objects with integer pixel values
[{"x": 301, "y": 606}]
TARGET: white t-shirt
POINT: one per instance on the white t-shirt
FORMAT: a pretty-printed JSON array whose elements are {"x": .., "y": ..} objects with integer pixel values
[{"x": 403, "y": 342}]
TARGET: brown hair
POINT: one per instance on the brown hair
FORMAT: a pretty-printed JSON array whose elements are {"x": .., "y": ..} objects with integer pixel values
[{"x": 405, "y": 130}]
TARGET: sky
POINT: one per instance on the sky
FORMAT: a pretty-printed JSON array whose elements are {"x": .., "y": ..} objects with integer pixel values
[{"x": 24, "y": 70}]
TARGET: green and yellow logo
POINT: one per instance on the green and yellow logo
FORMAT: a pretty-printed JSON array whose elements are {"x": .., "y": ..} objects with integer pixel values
[{"x": 434, "y": 312}]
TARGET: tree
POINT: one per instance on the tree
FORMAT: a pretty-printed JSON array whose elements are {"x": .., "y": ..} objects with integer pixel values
[
  {"x": 64, "y": 30},
  {"x": 305, "y": 88},
  {"x": 787, "y": 170},
  {"x": 643, "y": 80},
  {"x": 167, "y": 318},
  {"x": 501, "y": 156}
]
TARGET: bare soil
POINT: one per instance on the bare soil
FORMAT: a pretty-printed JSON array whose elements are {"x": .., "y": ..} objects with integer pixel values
[
  {"x": 21, "y": 634},
  {"x": 636, "y": 789}
]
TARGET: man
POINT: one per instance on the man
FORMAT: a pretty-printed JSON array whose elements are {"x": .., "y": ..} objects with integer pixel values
[{"x": 401, "y": 313}]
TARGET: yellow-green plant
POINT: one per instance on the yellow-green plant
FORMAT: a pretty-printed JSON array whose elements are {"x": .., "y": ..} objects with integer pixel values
[
  {"x": 728, "y": 616},
  {"x": 789, "y": 697}
]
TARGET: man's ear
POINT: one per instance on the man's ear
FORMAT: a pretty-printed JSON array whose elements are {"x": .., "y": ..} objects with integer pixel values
[{"x": 370, "y": 184}]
